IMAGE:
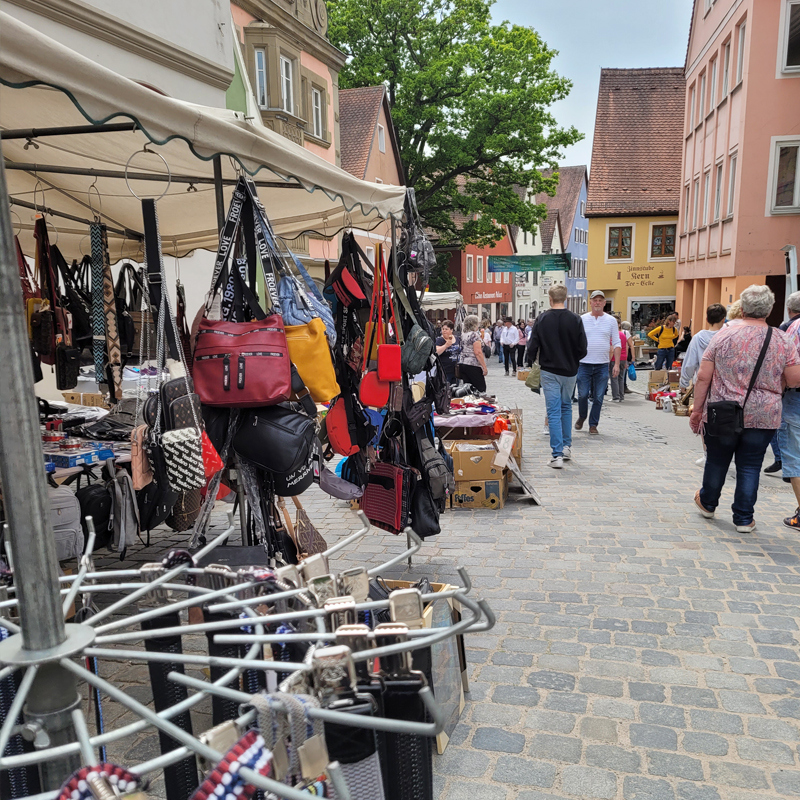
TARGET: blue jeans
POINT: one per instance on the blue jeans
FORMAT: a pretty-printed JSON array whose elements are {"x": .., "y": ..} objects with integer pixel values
[
  {"x": 776, "y": 445},
  {"x": 592, "y": 380},
  {"x": 789, "y": 435},
  {"x": 557, "y": 391},
  {"x": 664, "y": 358},
  {"x": 747, "y": 450}
]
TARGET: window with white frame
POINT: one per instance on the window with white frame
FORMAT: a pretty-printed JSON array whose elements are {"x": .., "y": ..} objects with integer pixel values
[
  {"x": 691, "y": 108},
  {"x": 706, "y": 193},
  {"x": 381, "y": 138},
  {"x": 370, "y": 254},
  {"x": 712, "y": 91},
  {"x": 791, "y": 37},
  {"x": 287, "y": 92},
  {"x": 316, "y": 112},
  {"x": 786, "y": 180},
  {"x": 718, "y": 193},
  {"x": 731, "y": 183},
  {"x": 702, "y": 98},
  {"x": 506, "y": 277},
  {"x": 695, "y": 202},
  {"x": 583, "y": 208},
  {"x": 469, "y": 269},
  {"x": 261, "y": 78},
  {"x": 489, "y": 275},
  {"x": 740, "y": 52},
  {"x": 577, "y": 235},
  {"x": 479, "y": 276},
  {"x": 726, "y": 68},
  {"x": 686, "y": 210}
]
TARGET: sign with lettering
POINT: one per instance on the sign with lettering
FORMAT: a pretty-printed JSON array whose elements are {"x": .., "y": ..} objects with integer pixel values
[
  {"x": 640, "y": 277},
  {"x": 554, "y": 262}
]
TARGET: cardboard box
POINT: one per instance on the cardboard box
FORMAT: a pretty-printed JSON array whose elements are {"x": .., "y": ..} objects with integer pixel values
[
  {"x": 481, "y": 494},
  {"x": 94, "y": 399},
  {"x": 474, "y": 461},
  {"x": 522, "y": 374},
  {"x": 657, "y": 377},
  {"x": 674, "y": 375}
]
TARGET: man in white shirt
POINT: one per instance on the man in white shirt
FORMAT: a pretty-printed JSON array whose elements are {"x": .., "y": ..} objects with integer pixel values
[
  {"x": 509, "y": 338},
  {"x": 602, "y": 334}
]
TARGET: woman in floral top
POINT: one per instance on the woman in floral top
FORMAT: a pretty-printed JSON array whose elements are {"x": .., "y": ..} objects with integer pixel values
[{"x": 725, "y": 374}]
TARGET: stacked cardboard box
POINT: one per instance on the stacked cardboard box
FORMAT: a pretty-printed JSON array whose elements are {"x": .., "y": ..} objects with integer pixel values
[{"x": 479, "y": 482}]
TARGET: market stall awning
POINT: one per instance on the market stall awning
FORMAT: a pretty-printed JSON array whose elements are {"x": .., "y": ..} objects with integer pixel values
[
  {"x": 441, "y": 301},
  {"x": 44, "y": 84}
]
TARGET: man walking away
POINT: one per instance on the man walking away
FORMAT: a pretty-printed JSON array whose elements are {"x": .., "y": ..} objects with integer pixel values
[
  {"x": 559, "y": 340},
  {"x": 602, "y": 337},
  {"x": 498, "y": 345},
  {"x": 509, "y": 338}
]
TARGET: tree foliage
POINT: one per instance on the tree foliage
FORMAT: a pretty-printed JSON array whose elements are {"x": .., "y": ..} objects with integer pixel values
[{"x": 470, "y": 102}]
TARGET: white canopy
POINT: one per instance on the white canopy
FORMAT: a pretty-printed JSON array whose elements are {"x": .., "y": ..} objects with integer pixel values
[
  {"x": 441, "y": 301},
  {"x": 45, "y": 84}
]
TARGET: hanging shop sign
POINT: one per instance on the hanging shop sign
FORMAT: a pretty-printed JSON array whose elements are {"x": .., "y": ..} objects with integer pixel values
[{"x": 554, "y": 262}]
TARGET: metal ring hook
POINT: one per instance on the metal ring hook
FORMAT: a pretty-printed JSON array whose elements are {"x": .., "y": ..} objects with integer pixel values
[
  {"x": 39, "y": 187},
  {"x": 80, "y": 246},
  {"x": 152, "y": 153},
  {"x": 19, "y": 219},
  {"x": 96, "y": 214}
]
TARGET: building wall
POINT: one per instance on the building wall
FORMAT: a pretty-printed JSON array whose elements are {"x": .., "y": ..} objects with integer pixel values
[
  {"x": 186, "y": 56},
  {"x": 495, "y": 290},
  {"x": 742, "y": 247},
  {"x": 641, "y": 278},
  {"x": 576, "y": 279}
]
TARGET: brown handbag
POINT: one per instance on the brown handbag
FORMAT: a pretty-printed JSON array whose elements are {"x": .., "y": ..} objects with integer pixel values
[
  {"x": 307, "y": 539},
  {"x": 141, "y": 470}
]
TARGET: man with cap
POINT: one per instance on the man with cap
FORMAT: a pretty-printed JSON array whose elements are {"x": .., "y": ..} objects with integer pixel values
[{"x": 602, "y": 335}]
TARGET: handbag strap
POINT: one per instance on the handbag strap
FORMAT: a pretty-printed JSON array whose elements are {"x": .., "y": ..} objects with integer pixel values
[
  {"x": 375, "y": 316},
  {"x": 760, "y": 361},
  {"x": 398, "y": 329}
]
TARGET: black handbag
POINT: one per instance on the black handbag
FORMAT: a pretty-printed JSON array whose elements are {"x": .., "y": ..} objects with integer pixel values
[
  {"x": 726, "y": 417},
  {"x": 68, "y": 365}
]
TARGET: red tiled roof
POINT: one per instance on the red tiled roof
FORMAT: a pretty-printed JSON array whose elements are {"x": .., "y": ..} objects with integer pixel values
[
  {"x": 565, "y": 200},
  {"x": 358, "y": 116},
  {"x": 547, "y": 229},
  {"x": 638, "y": 141}
]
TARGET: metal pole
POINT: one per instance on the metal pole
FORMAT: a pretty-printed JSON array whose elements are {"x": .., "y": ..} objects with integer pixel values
[
  {"x": 218, "y": 194},
  {"x": 32, "y": 541},
  {"x": 69, "y": 130}
]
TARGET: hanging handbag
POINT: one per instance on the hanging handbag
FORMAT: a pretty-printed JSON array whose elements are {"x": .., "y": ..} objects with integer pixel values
[
  {"x": 310, "y": 353},
  {"x": 373, "y": 390},
  {"x": 387, "y": 495},
  {"x": 347, "y": 425},
  {"x": 183, "y": 326},
  {"x": 433, "y": 469},
  {"x": 726, "y": 417},
  {"x": 534, "y": 379},
  {"x": 185, "y": 511},
  {"x": 242, "y": 364},
  {"x": 349, "y": 283},
  {"x": 141, "y": 471},
  {"x": 43, "y": 332},
  {"x": 631, "y": 371},
  {"x": 419, "y": 252},
  {"x": 68, "y": 365}
]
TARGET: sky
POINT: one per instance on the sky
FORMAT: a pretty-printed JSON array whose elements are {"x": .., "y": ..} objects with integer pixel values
[{"x": 590, "y": 34}]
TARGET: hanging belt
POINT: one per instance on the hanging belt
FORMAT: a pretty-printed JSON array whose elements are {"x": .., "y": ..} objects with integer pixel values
[
  {"x": 98, "y": 315},
  {"x": 224, "y": 780},
  {"x": 105, "y": 778}
]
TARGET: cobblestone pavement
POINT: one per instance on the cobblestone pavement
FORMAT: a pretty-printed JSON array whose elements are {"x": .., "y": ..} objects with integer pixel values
[{"x": 641, "y": 652}]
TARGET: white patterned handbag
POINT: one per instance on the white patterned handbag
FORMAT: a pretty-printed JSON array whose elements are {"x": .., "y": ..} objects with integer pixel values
[{"x": 183, "y": 454}]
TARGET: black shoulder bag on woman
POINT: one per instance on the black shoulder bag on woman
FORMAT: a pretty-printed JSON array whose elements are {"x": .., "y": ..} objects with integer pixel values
[{"x": 726, "y": 417}]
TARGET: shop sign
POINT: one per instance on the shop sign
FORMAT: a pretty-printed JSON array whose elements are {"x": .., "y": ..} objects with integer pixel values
[
  {"x": 640, "y": 277},
  {"x": 580, "y": 286},
  {"x": 488, "y": 295},
  {"x": 554, "y": 262},
  {"x": 523, "y": 292}
]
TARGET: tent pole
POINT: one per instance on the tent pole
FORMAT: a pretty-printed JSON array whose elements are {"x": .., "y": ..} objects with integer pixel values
[
  {"x": 53, "y": 213},
  {"x": 218, "y": 195},
  {"x": 53, "y": 691},
  {"x": 69, "y": 130}
]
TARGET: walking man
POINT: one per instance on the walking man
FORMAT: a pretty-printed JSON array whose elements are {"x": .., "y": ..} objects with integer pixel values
[
  {"x": 498, "y": 345},
  {"x": 509, "y": 338},
  {"x": 559, "y": 340},
  {"x": 602, "y": 338}
]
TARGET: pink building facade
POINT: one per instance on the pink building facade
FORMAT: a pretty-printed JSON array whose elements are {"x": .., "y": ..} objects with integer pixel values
[{"x": 740, "y": 200}]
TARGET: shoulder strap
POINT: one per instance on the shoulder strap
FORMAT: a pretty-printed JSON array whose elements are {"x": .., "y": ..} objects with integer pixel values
[{"x": 760, "y": 361}]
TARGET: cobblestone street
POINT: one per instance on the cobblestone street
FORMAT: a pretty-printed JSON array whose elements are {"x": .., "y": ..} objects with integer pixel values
[{"x": 641, "y": 652}]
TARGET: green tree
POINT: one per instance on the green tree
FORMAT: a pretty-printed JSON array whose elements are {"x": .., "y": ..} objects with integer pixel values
[
  {"x": 470, "y": 102},
  {"x": 441, "y": 280}
]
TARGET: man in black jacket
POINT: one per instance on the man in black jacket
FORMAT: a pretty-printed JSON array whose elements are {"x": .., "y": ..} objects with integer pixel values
[{"x": 559, "y": 340}]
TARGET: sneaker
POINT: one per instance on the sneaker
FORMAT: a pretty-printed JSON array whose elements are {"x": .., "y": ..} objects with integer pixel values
[
  {"x": 701, "y": 462},
  {"x": 556, "y": 462},
  {"x": 593, "y": 430},
  {"x": 704, "y": 511},
  {"x": 506, "y": 374},
  {"x": 545, "y": 430},
  {"x": 567, "y": 453},
  {"x": 773, "y": 468},
  {"x": 579, "y": 423},
  {"x": 793, "y": 522},
  {"x": 746, "y": 528}
]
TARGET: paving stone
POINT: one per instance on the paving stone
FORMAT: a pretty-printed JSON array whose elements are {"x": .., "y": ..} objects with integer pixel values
[
  {"x": 716, "y": 721},
  {"x": 706, "y": 743},
  {"x": 588, "y": 782},
  {"x": 499, "y": 740},
  {"x": 464, "y": 763},
  {"x": 653, "y": 736},
  {"x": 616, "y": 709},
  {"x": 496, "y": 714},
  {"x": 556, "y": 748},
  {"x": 652, "y": 692},
  {"x": 604, "y": 730},
  {"x": 461, "y": 789},
  {"x": 523, "y": 772},
  {"x": 741, "y": 703},
  {"x": 662, "y": 715},
  {"x": 786, "y": 782},
  {"x": 763, "y": 750},
  {"x": 601, "y": 687},
  {"x": 552, "y": 721},
  {"x": 565, "y": 701},
  {"x": 693, "y": 791},
  {"x": 670, "y": 765},
  {"x": 560, "y": 681},
  {"x": 789, "y": 707},
  {"x": 636, "y": 788},
  {"x": 773, "y": 729},
  {"x": 516, "y": 695},
  {"x": 689, "y": 696},
  {"x": 738, "y": 775},
  {"x": 613, "y": 758}
]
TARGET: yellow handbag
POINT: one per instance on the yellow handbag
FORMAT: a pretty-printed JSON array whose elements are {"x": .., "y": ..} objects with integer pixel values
[{"x": 310, "y": 353}]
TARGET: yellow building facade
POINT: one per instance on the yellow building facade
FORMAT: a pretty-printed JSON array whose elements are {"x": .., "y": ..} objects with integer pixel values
[{"x": 632, "y": 259}]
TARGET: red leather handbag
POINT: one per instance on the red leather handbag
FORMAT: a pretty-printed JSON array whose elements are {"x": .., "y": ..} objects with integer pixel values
[
  {"x": 338, "y": 429},
  {"x": 373, "y": 390},
  {"x": 389, "y": 355}
]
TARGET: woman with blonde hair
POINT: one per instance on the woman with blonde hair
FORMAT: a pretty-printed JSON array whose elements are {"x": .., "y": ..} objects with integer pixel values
[{"x": 471, "y": 362}]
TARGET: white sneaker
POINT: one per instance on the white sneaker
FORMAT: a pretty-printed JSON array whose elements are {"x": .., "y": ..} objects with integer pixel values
[
  {"x": 701, "y": 462},
  {"x": 545, "y": 431},
  {"x": 567, "y": 454},
  {"x": 557, "y": 462}
]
